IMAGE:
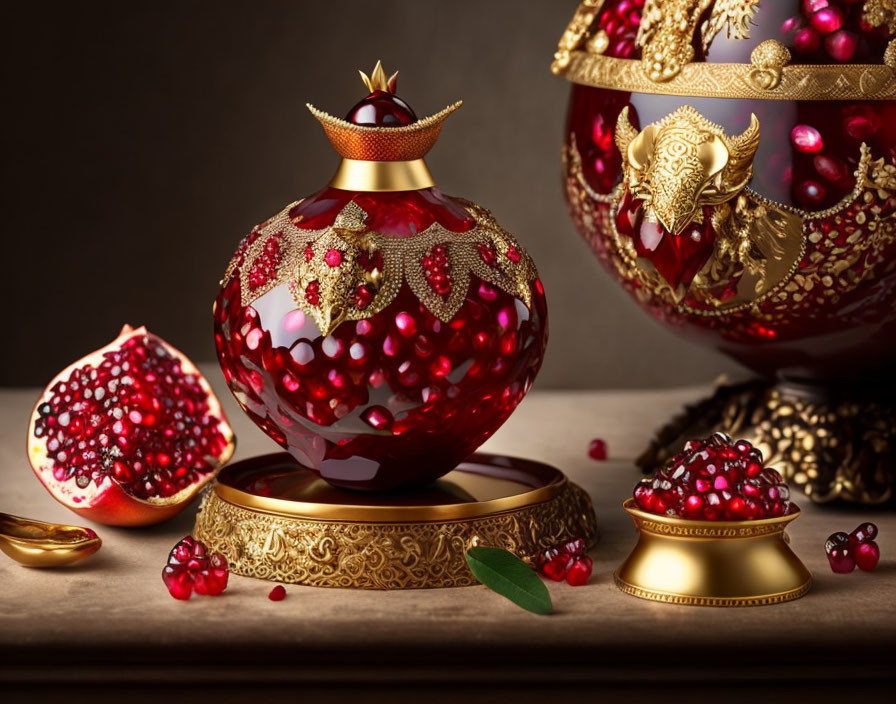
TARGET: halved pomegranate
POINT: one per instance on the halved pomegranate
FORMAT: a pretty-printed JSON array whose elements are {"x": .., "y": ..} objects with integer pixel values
[{"x": 127, "y": 435}]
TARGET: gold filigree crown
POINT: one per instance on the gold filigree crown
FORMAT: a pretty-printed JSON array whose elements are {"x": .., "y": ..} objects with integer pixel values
[{"x": 367, "y": 143}]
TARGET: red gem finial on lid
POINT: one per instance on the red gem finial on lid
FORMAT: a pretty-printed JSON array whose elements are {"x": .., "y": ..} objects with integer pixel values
[{"x": 382, "y": 108}]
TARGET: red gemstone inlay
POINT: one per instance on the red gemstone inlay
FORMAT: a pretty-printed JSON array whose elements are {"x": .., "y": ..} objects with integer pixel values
[
  {"x": 677, "y": 258},
  {"x": 264, "y": 268},
  {"x": 363, "y": 296},
  {"x": 333, "y": 257},
  {"x": 437, "y": 270},
  {"x": 488, "y": 254},
  {"x": 312, "y": 293}
]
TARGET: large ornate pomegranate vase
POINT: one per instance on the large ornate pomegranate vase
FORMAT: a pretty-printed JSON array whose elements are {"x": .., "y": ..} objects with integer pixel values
[
  {"x": 733, "y": 165},
  {"x": 380, "y": 330}
]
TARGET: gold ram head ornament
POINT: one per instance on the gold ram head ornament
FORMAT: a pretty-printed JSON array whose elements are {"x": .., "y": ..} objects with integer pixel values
[{"x": 683, "y": 162}]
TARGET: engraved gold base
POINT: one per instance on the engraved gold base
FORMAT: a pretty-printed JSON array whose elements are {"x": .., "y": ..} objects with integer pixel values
[
  {"x": 276, "y": 520},
  {"x": 712, "y": 563},
  {"x": 829, "y": 443}
]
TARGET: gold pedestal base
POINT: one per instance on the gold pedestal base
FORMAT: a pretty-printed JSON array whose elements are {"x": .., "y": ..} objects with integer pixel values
[
  {"x": 832, "y": 444},
  {"x": 712, "y": 563},
  {"x": 276, "y": 520}
]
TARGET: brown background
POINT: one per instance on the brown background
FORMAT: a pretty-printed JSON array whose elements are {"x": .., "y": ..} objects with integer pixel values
[{"x": 142, "y": 140}]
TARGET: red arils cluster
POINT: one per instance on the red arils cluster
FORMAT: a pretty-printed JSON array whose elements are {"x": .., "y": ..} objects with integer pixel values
[
  {"x": 715, "y": 480},
  {"x": 264, "y": 268},
  {"x": 190, "y": 568},
  {"x": 858, "y": 548},
  {"x": 568, "y": 561},
  {"x": 620, "y": 20},
  {"x": 135, "y": 415},
  {"x": 437, "y": 270},
  {"x": 827, "y": 31}
]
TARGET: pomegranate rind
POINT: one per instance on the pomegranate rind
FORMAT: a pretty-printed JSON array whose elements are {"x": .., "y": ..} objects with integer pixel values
[{"x": 109, "y": 503}]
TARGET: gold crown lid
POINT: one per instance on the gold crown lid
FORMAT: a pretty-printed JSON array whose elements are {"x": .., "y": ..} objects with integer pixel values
[{"x": 394, "y": 134}]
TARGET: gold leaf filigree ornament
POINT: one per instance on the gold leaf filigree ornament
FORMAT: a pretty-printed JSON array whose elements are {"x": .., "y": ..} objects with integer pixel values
[{"x": 683, "y": 163}]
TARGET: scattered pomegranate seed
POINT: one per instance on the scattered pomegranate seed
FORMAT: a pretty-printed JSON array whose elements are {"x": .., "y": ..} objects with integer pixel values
[
  {"x": 567, "y": 561},
  {"x": 715, "y": 479},
  {"x": 597, "y": 450},
  {"x": 858, "y": 549},
  {"x": 580, "y": 571},
  {"x": 839, "y": 553},
  {"x": 278, "y": 593},
  {"x": 190, "y": 568}
]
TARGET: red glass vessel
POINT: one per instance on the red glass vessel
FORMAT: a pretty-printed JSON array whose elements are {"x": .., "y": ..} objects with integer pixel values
[
  {"x": 830, "y": 315},
  {"x": 380, "y": 330}
]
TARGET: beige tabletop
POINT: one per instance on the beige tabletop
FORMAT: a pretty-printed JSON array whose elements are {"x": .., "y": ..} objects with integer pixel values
[{"x": 70, "y": 624}]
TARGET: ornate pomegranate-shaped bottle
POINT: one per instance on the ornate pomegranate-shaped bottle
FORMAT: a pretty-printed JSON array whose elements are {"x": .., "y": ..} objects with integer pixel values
[{"x": 380, "y": 330}]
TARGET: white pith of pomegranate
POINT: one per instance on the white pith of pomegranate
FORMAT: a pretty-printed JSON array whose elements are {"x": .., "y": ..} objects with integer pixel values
[{"x": 127, "y": 435}]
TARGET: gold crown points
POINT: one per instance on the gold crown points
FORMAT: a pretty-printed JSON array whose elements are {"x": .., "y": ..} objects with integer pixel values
[
  {"x": 326, "y": 118},
  {"x": 377, "y": 79},
  {"x": 366, "y": 143}
]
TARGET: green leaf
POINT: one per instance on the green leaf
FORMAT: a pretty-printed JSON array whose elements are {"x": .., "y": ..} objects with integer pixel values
[{"x": 505, "y": 573}]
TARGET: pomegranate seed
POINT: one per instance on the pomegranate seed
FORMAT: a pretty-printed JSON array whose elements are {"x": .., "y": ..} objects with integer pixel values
[
  {"x": 555, "y": 565},
  {"x": 278, "y": 593},
  {"x": 839, "y": 553},
  {"x": 597, "y": 450},
  {"x": 863, "y": 533},
  {"x": 867, "y": 555},
  {"x": 715, "y": 479},
  {"x": 580, "y": 571}
]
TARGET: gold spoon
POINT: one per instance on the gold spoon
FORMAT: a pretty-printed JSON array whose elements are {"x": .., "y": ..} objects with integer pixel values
[{"x": 39, "y": 544}]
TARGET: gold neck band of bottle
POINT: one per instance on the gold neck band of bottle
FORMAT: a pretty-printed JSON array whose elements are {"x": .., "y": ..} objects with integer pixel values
[{"x": 357, "y": 175}]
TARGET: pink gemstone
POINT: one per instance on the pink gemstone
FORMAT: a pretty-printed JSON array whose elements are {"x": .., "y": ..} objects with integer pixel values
[
  {"x": 806, "y": 40},
  {"x": 406, "y": 324},
  {"x": 294, "y": 320},
  {"x": 441, "y": 366},
  {"x": 290, "y": 383},
  {"x": 378, "y": 418},
  {"x": 391, "y": 345},
  {"x": 811, "y": 193},
  {"x": 841, "y": 45},
  {"x": 487, "y": 292},
  {"x": 254, "y": 338},
  {"x": 789, "y": 24},
  {"x": 333, "y": 257},
  {"x": 859, "y": 127},
  {"x": 830, "y": 168},
  {"x": 828, "y": 20},
  {"x": 812, "y": 6},
  {"x": 806, "y": 139}
]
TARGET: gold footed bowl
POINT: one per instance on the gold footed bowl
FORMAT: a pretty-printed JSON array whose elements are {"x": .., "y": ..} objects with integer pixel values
[
  {"x": 712, "y": 563},
  {"x": 274, "y": 519}
]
